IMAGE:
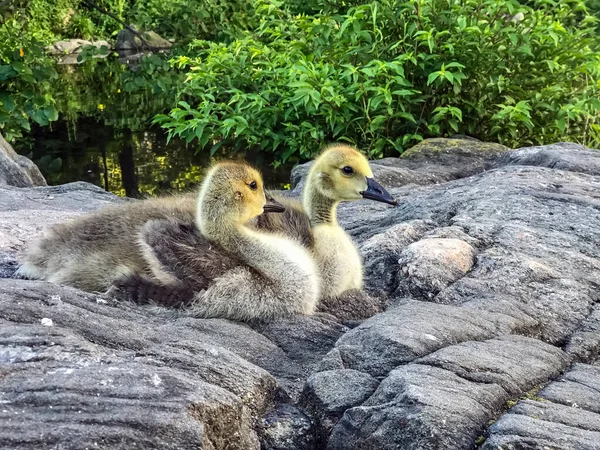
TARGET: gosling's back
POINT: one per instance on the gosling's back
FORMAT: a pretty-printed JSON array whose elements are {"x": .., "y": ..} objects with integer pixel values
[{"x": 90, "y": 252}]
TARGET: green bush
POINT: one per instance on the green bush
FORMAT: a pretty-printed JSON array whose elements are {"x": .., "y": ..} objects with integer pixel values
[
  {"x": 25, "y": 81},
  {"x": 386, "y": 74},
  {"x": 80, "y": 26},
  {"x": 185, "y": 20},
  {"x": 27, "y": 74}
]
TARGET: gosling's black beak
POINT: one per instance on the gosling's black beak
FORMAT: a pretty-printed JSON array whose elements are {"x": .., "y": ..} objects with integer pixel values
[
  {"x": 376, "y": 192},
  {"x": 273, "y": 205}
]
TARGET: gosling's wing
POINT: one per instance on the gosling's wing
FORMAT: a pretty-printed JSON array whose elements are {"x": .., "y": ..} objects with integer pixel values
[
  {"x": 182, "y": 252},
  {"x": 293, "y": 222},
  {"x": 179, "y": 254}
]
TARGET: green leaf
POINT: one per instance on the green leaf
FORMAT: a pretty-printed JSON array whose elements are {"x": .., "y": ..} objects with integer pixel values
[
  {"x": 525, "y": 49},
  {"x": 432, "y": 77},
  {"x": 403, "y": 92},
  {"x": 51, "y": 113},
  {"x": 199, "y": 131},
  {"x": 7, "y": 72},
  {"x": 8, "y": 102},
  {"x": 407, "y": 116},
  {"x": 453, "y": 124},
  {"x": 454, "y": 64},
  {"x": 39, "y": 117},
  {"x": 377, "y": 122}
]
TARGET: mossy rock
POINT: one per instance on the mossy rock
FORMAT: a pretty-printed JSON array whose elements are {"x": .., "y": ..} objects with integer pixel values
[
  {"x": 455, "y": 157},
  {"x": 435, "y": 148}
]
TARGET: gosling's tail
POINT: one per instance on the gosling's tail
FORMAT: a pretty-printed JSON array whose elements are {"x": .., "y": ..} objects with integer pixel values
[{"x": 142, "y": 290}]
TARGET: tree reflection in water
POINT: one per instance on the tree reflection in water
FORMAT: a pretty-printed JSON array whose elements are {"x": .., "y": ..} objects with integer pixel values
[{"x": 104, "y": 133}]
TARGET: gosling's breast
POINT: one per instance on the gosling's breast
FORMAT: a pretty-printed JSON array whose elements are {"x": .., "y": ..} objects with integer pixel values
[{"x": 339, "y": 262}]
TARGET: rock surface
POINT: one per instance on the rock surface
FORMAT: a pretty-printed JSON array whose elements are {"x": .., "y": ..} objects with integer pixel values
[
  {"x": 327, "y": 395},
  {"x": 17, "y": 170},
  {"x": 490, "y": 266},
  {"x": 564, "y": 415},
  {"x": 69, "y": 50},
  {"x": 74, "y": 46},
  {"x": 451, "y": 258}
]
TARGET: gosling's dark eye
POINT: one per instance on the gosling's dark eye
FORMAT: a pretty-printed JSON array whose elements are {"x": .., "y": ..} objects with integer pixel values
[
  {"x": 253, "y": 185},
  {"x": 348, "y": 170}
]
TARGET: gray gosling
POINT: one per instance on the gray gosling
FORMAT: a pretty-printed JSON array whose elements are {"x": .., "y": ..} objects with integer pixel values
[
  {"x": 247, "y": 275},
  {"x": 94, "y": 250}
]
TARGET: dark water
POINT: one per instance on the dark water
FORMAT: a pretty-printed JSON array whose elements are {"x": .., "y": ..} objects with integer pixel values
[{"x": 104, "y": 136}]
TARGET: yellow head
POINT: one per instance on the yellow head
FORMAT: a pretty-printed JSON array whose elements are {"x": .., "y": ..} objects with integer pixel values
[
  {"x": 231, "y": 194},
  {"x": 341, "y": 173}
]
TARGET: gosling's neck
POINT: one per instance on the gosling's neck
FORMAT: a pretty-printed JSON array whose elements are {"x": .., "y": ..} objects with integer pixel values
[
  {"x": 320, "y": 208},
  {"x": 223, "y": 233}
]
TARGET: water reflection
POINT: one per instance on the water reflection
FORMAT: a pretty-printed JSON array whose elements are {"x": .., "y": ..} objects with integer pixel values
[{"x": 103, "y": 135}]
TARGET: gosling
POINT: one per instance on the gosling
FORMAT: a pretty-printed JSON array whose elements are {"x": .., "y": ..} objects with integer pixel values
[
  {"x": 276, "y": 276},
  {"x": 94, "y": 250},
  {"x": 340, "y": 173},
  {"x": 249, "y": 274}
]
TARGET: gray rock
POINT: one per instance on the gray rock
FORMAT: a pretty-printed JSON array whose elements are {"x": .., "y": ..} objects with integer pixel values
[
  {"x": 447, "y": 407},
  {"x": 563, "y": 415},
  {"x": 560, "y": 156},
  {"x": 331, "y": 361},
  {"x": 452, "y": 233},
  {"x": 69, "y": 50},
  {"x": 430, "y": 265},
  {"x": 353, "y": 306},
  {"x": 382, "y": 252},
  {"x": 553, "y": 412},
  {"x": 126, "y": 40},
  {"x": 71, "y": 46},
  {"x": 17, "y": 170},
  {"x": 156, "y": 41},
  {"x": 450, "y": 159},
  {"x": 584, "y": 344},
  {"x": 227, "y": 363},
  {"x": 287, "y": 428},
  {"x": 520, "y": 431},
  {"x": 501, "y": 361},
  {"x": 419, "y": 407},
  {"x": 448, "y": 364},
  {"x": 71, "y": 389},
  {"x": 412, "y": 330},
  {"x": 530, "y": 252},
  {"x": 304, "y": 340},
  {"x": 8, "y": 265},
  {"x": 327, "y": 395},
  {"x": 579, "y": 388}
]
